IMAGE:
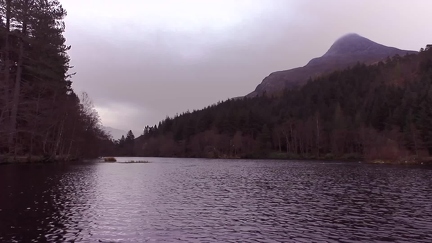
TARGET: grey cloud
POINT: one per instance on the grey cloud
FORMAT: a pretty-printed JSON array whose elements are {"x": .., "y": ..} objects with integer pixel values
[{"x": 137, "y": 76}]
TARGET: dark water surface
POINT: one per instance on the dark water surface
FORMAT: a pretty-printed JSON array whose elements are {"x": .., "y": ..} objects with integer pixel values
[{"x": 192, "y": 200}]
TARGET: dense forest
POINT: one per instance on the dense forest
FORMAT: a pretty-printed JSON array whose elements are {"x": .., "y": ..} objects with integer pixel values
[
  {"x": 40, "y": 115},
  {"x": 377, "y": 111}
]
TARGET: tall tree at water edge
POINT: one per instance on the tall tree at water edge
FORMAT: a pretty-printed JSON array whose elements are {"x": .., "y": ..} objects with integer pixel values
[
  {"x": 5, "y": 65},
  {"x": 40, "y": 113},
  {"x": 35, "y": 32}
]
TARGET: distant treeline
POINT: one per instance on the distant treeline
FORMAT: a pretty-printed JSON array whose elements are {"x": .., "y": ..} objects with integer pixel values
[
  {"x": 40, "y": 115},
  {"x": 378, "y": 111}
]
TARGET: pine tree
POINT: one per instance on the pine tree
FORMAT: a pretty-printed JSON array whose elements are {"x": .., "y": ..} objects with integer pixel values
[{"x": 40, "y": 113}]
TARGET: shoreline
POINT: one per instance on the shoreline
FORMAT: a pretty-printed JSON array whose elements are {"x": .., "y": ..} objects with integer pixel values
[
  {"x": 409, "y": 160},
  {"x": 8, "y": 160},
  {"x": 413, "y": 160}
]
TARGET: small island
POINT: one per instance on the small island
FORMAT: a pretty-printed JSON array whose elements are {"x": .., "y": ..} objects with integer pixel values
[{"x": 114, "y": 160}]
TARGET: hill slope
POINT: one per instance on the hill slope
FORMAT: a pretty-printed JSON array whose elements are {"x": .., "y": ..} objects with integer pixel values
[
  {"x": 365, "y": 111},
  {"x": 346, "y": 51},
  {"x": 114, "y": 132}
]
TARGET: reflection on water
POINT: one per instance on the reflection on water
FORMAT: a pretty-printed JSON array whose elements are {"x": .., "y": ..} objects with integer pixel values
[
  {"x": 215, "y": 201},
  {"x": 40, "y": 203}
]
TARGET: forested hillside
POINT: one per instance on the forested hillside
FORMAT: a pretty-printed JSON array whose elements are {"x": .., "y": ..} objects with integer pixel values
[
  {"x": 378, "y": 111},
  {"x": 345, "y": 52},
  {"x": 40, "y": 115}
]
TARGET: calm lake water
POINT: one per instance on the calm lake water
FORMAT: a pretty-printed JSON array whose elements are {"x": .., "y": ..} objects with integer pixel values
[{"x": 195, "y": 200}]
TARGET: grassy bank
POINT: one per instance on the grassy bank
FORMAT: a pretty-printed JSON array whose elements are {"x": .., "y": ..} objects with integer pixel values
[
  {"x": 413, "y": 160},
  {"x": 292, "y": 156},
  {"x": 407, "y": 160},
  {"x": 404, "y": 161},
  {"x": 410, "y": 160},
  {"x": 5, "y": 159}
]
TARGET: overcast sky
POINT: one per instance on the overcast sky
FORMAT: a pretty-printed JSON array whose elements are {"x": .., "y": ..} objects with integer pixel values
[{"x": 143, "y": 60}]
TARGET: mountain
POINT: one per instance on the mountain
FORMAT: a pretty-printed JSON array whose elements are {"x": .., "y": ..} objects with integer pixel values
[
  {"x": 367, "y": 112},
  {"x": 115, "y": 133},
  {"x": 346, "y": 51}
]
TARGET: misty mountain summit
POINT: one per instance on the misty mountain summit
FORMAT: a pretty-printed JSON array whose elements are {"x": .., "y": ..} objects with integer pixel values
[
  {"x": 346, "y": 51},
  {"x": 354, "y": 44}
]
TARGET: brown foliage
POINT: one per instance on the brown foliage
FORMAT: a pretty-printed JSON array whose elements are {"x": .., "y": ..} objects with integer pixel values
[{"x": 383, "y": 145}]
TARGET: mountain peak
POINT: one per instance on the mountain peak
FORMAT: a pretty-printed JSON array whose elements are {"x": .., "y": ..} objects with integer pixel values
[
  {"x": 345, "y": 51},
  {"x": 349, "y": 37},
  {"x": 352, "y": 44}
]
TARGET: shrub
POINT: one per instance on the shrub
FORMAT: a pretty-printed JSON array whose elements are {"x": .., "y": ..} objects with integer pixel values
[{"x": 110, "y": 159}]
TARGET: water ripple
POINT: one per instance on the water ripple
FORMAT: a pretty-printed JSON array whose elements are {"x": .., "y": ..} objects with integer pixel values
[{"x": 185, "y": 200}]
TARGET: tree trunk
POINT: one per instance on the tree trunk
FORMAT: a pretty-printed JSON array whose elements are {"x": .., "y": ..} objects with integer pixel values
[
  {"x": 17, "y": 88},
  {"x": 318, "y": 137},
  {"x": 45, "y": 141},
  {"x": 71, "y": 140},
  {"x": 279, "y": 143},
  {"x": 287, "y": 142},
  {"x": 4, "y": 117},
  {"x": 292, "y": 137},
  {"x": 414, "y": 138},
  {"x": 301, "y": 147},
  {"x": 59, "y": 138}
]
